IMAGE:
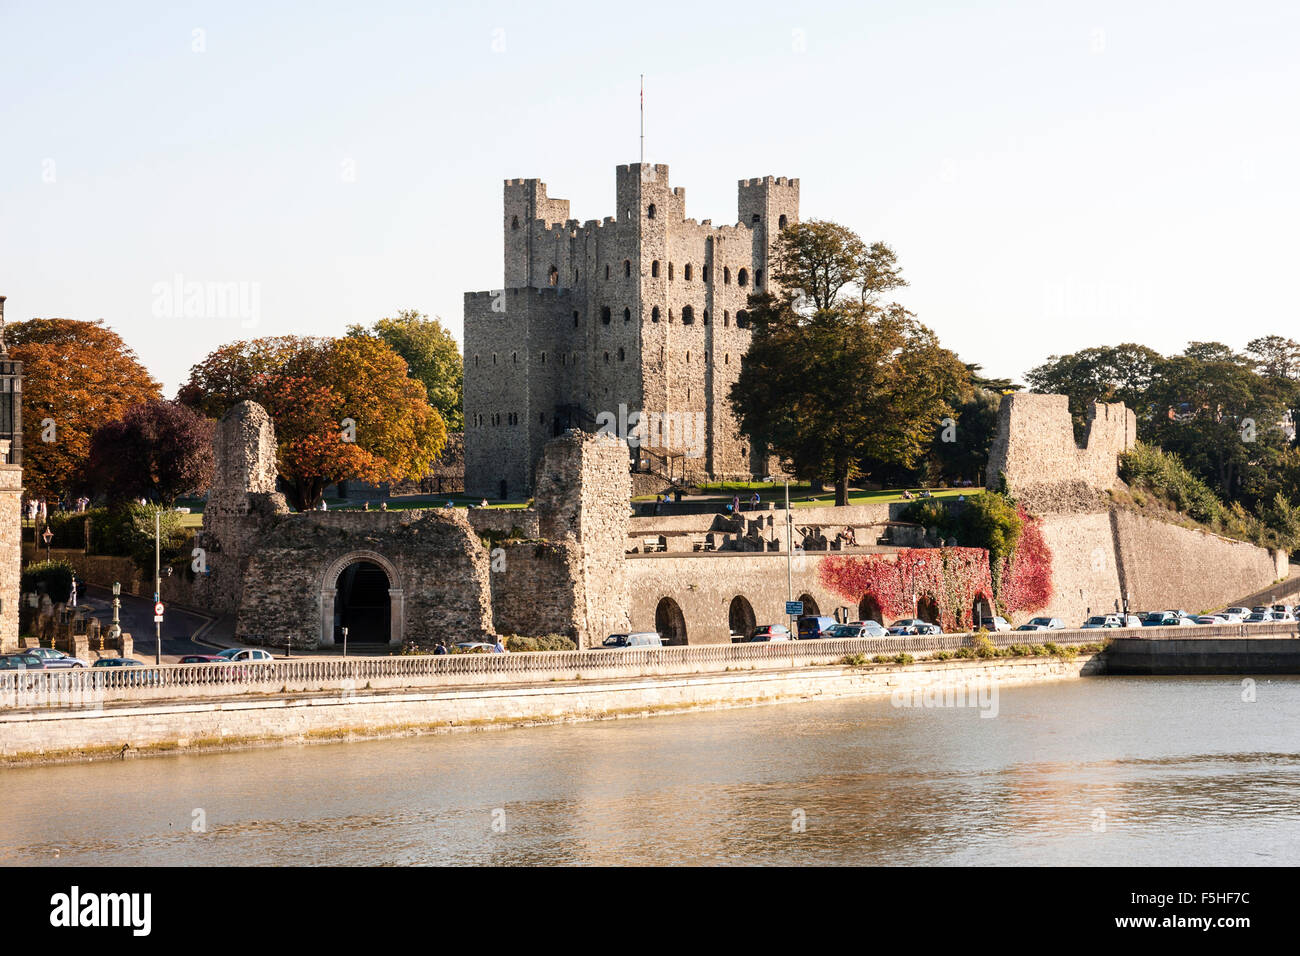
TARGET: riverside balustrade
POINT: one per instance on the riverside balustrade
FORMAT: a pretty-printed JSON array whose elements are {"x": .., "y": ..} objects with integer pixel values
[{"x": 94, "y": 686}]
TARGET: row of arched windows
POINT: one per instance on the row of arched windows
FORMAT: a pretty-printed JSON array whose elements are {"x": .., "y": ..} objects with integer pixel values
[{"x": 742, "y": 275}]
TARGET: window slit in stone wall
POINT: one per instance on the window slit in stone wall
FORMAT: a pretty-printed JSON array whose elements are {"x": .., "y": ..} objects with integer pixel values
[
  {"x": 514, "y": 223},
  {"x": 706, "y": 357},
  {"x": 514, "y": 357},
  {"x": 670, "y": 272},
  {"x": 654, "y": 269},
  {"x": 726, "y": 359},
  {"x": 543, "y": 358},
  {"x": 654, "y": 314},
  {"x": 604, "y": 316},
  {"x": 606, "y": 358},
  {"x": 627, "y": 267},
  {"x": 780, "y": 223},
  {"x": 621, "y": 355},
  {"x": 686, "y": 272},
  {"x": 688, "y": 315},
  {"x": 726, "y": 318},
  {"x": 606, "y": 271},
  {"x": 494, "y": 358},
  {"x": 553, "y": 277},
  {"x": 758, "y": 277},
  {"x": 627, "y": 315},
  {"x": 688, "y": 358},
  {"x": 575, "y": 320},
  {"x": 704, "y": 273},
  {"x": 726, "y": 275},
  {"x": 706, "y": 316},
  {"x": 742, "y": 278},
  {"x": 650, "y": 211},
  {"x": 757, "y": 217}
]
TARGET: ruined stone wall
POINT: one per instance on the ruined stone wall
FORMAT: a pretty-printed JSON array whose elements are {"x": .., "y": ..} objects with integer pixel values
[
  {"x": 433, "y": 558},
  {"x": 1035, "y": 452},
  {"x": 533, "y": 592}
]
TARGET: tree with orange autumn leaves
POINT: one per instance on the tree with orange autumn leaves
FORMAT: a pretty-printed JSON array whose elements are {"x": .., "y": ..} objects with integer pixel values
[
  {"x": 77, "y": 377},
  {"x": 343, "y": 408}
]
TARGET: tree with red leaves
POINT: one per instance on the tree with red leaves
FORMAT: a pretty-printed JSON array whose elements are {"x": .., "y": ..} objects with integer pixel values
[{"x": 157, "y": 450}]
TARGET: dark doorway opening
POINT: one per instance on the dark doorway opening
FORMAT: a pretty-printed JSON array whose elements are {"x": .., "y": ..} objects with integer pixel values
[
  {"x": 670, "y": 622},
  {"x": 362, "y": 605},
  {"x": 740, "y": 618},
  {"x": 810, "y": 607},
  {"x": 869, "y": 610}
]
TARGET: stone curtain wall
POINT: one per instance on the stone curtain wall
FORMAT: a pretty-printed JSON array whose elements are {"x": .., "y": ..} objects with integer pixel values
[
  {"x": 534, "y": 586},
  {"x": 1034, "y": 450},
  {"x": 704, "y": 585},
  {"x": 1085, "y": 573},
  {"x": 441, "y": 571}
]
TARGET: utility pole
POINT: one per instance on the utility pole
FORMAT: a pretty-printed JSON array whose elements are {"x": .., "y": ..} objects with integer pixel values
[{"x": 789, "y": 553}]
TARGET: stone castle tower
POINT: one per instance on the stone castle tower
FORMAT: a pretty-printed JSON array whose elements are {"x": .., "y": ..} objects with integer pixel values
[{"x": 642, "y": 313}]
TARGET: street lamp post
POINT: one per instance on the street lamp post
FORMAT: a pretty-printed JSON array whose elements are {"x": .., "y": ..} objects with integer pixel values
[
  {"x": 115, "y": 632},
  {"x": 345, "y": 642},
  {"x": 157, "y": 581},
  {"x": 47, "y": 537}
]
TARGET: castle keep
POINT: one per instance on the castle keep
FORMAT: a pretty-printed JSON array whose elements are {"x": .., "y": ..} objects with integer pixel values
[{"x": 637, "y": 318}]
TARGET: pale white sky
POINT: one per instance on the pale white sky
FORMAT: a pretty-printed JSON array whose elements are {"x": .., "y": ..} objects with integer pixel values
[{"x": 1052, "y": 175}]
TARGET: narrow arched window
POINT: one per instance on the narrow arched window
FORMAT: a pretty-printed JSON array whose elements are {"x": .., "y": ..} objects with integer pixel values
[
  {"x": 575, "y": 320},
  {"x": 554, "y": 277},
  {"x": 604, "y": 316},
  {"x": 650, "y": 211},
  {"x": 726, "y": 275},
  {"x": 686, "y": 272},
  {"x": 654, "y": 314},
  {"x": 780, "y": 223},
  {"x": 688, "y": 358},
  {"x": 742, "y": 278},
  {"x": 514, "y": 223},
  {"x": 606, "y": 358},
  {"x": 654, "y": 269},
  {"x": 757, "y": 218},
  {"x": 627, "y": 315},
  {"x": 726, "y": 318},
  {"x": 607, "y": 271},
  {"x": 627, "y": 267},
  {"x": 621, "y": 355},
  {"x": 688, "y": 315},
  {"x": 726, "y": 359},
  {"x": 742, "y": 319},
  {"x": 670, "y": 272}
]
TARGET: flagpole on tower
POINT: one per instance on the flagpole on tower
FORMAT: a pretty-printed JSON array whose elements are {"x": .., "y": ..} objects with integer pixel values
[{"x": 643, "y": 121}]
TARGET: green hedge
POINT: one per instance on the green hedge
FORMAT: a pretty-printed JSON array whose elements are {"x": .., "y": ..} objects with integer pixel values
[
  {"x": 550, "y": 642},
  {"x": 52, "y": 577}
]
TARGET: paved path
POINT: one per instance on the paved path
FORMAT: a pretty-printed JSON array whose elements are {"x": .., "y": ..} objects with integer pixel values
[{"x": 178, "y": 630}]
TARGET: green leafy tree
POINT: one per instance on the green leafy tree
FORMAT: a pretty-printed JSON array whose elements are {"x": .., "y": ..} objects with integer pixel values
[
  {"x": 834, "y": 378},
  {"x": 1121, "y": 373},
  {"x": 431, "y": 355}
]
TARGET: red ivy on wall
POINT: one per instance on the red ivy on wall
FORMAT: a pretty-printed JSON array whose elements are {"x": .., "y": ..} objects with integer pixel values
[
  {"x": 950, "y": 578},
  {"x": 1027, "y": 579}
]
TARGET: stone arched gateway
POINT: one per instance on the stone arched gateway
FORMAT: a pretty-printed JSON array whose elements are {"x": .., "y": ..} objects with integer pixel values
[
  {"x": 670, "y": 622},
  {"x": 329, "y": 618},
  {"x": 810, "y": 606},
  {"x": 869, "y": 610},
  {"x": 740, "y": 618}
]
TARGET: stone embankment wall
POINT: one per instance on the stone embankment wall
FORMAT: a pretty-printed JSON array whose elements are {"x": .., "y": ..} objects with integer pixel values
[{"x": 196, "y": 725}]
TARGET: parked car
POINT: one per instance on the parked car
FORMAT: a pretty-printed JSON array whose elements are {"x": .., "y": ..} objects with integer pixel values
[
  {"x": 253, "y": 654},
  {"x": 1042, "y": 624},
  {"x": 1260, "y": 617},
  {"x": 1210, "y": 619},
  {"x": 858, "y": 629},
  {"x": 769, "y": 632},
  {"x": 21, "y": 661},
  {"x": 117, "y": 662},
  {"x": 55, "y": 660},
  {"x": 1167, "y": 619},
  {"x": 1101, "y": 620},
  {"x": 635, "y": 639},
  {"x": 204, "y": 659},
  {"x": 811, "y": 626},
  {"x": 473, "y": 647},
  {"x": 1240, "y": 613},
  {"x": 1283, "y": 612},
  {"x": 909, "y": 626},
  {"x": 995, "y": 623}
]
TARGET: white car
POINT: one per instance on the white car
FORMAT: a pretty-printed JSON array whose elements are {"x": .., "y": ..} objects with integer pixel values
[
  {"x": 253, "y": 654},
  {"x": 1237, "y": 614},
  {"x": 994, "y": 624},
  {"x": 1042, "y": 624}
]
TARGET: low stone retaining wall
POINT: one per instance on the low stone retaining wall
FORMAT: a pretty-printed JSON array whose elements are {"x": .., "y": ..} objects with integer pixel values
[
  {"x": 1247, "y": 655},
  {"x": 133, "y": 729}
]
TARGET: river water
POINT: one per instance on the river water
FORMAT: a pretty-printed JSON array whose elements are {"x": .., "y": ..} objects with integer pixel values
[{"x": 1107, "y": 770}]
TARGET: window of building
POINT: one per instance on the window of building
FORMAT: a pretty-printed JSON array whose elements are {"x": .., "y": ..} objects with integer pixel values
[
  {"x": 514, "y": 223},
  {"x": 575, "y": 320},
  {"x": 757, "y": 218},
  {"x": 650, "y": 211},
  {"x": 686, "y": 272},
  {"x": 704, "y": 273},
  {"x": 688, "y": 357},
  {"x": 543, "y": 358},
  {"x": 706, "y": 316},
  {"x": 514, "y": 357},
  {"x": 476, "y": 361},
  {"x": 553, "y": 278},
  {"x": 726, "y": 275},
  {"x": 494, "y": 358},
  {"x": 627, "y": 267},
  {"x": 604, "y": 316},
  {"x": 627, "y": 315},
  {"x": 781, "y": 223},
  {"x": 621, "y": 355},
  {"x": 654, "y": 314},
  {"x": 654, "y": 269},
  {"x": 742, "y": 278},
  {"x": 670, "y": 272},
  {"x": 575, "y": 276},
  {"x": 726, "y": 358},
  {"x": 670, "y": 316},
  {"x": 606, "y": 358},
  {"x": 607, "y": 271},
  {"x": 758, "y": 278},
  {"x": 726, "y": 318},
  {"x": 706, "y": 356},
  {"x": 688, "y": 315},
  {"x": 742, "y": 319}
]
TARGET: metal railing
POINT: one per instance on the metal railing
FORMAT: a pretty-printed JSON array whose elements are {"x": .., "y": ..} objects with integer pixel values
[{"x": 93, "y": 686}]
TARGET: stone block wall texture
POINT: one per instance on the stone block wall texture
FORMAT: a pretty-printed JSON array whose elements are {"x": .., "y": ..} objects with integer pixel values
[
  {"x": 1034, "y": 450},
  {"x": 521, "y": 522},
  {"x": 242, "y": 495},
  {"x": 642, "y": 309},
  {"x": 11, "y": 489},
  {"x": 437, "y": 573},
  {"x": 534, "y": 589}
]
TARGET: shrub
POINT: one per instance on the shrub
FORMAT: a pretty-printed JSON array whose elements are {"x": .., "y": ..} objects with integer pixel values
[
  {"x": 548, "y": 642},
  {"x": 853, "y": 660},
  {"x": 904, "y": 659},
  {"x": 128, "y": 531},
  {"x": 1164, "y": 475},
  {"x": 943, "y": 656},
  {"x": 1020, "y": 650},
  {"x": 52, "y": 577},
  {"x": 982, "y": 646},
  {"x": 965, "y": 653},
  {"x": 1039, "y": 650}
]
